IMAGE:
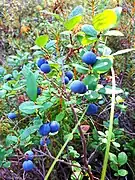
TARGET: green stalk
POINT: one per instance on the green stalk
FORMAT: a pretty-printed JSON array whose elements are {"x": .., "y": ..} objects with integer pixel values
[
  {"x": 104, "y": 169},
  {"x": 63, "y": 147}
]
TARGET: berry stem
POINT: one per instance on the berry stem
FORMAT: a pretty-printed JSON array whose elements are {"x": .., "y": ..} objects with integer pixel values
[{"x": 104, "y": 169}]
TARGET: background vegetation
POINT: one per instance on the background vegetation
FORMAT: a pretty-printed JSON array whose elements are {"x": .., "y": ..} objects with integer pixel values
[{"x": 21, "y": 23}]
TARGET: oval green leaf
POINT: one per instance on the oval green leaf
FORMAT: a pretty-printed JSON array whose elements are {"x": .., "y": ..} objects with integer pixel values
[
  {"x": 102, "y": 65},
  {"x": 89, "y": 30},
  {"x": 31, "y": 86},
  {"x": 76, "y": 11},
  {"x": 29, "y": 107},
  {"x": 90, "y": 81},
  {"x": 122, "y": 158},
  {"x": 80, "y": 69},
  {"x": 41, "y": 40}
]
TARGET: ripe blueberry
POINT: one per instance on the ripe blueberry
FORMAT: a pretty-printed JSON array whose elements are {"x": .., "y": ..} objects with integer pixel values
[
  {"x": 69, "y": 74},
  {"x": 41, "y": 61},
  {"x": 45, "y": 68},
  {"x": 77, "y": 86},
  {"x": 44, "y": 141},
  {"x": 38, "y": 91},
  {"x": 12, "y": 115},
  {"x": 44, "y": 129},
  {"x": 116, "y": 115},
  {"x": 84, "y": 90},
  {"x": 54, "y": 126},
  {"x": 66, "y": 80},
  {"x": 28, "y": 165},
  {"x": 92, "y": 109},
  {"x": 29, "y": 155},
  {"x": 89, "y": 58}
]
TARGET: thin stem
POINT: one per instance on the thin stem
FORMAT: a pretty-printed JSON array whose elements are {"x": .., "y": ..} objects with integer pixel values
[
  {"x": 83, "y": 144},
  {"x": 24, "y": 175},
  {"x": 104, "y": 169}
]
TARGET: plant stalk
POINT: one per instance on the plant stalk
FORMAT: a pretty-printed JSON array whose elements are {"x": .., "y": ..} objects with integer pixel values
[{"x": 104, "y": 169}]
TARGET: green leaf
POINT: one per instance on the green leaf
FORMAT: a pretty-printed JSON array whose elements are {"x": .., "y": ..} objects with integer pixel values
[
  {"x": 41, "y": 40},
  {"x": 124, "y": 51},
  {"x": 93, "y": 95},
  {"x": 35, "y": 47},
  {"x": 122, "y": 172},
  {"x": 113, "y": 158},
  {"x": 31, "y": 86},
  {"x": 104, "y": 50},
  {"x": 86, "y": 40},
  {"x": 108, "y": 90},
  {"x": 7, "y": 164},
  {"x": 113, "y": 33},
  {"x": 116, "y": 144},
  {"x": 89, "y": 30},
  {"x": 2, "y": 93},
  {"x": 60, "y": 116},
  {"x": 70, "y": 136},
  {"x": 28, "y": 131},
  {"x": 114, "y": 166},
  {"x": 102, "y": 65},
  {"x": 91, "y": 81},
  {"x": 101, "y": 133},
  {"x": 25, "y": 134},
  {"x": 122, "y": 158},
  {"x": 51, "y": 44},
  {"x": 81, "y": 69},
  {"x": 10, "y": 140},
  {"x": 29, "y": 107},
  {"x": 76, "y": 11},
  {"x": 71, "y": 23},
  {"x": 47, "y": 105},
  {"x": 105, "y": 20}
]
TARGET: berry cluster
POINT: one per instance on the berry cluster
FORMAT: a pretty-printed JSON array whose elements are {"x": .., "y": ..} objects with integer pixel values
[
  {"x": 68, "y": 76},
  {"x": 28, "y": 164},
  {"x": 46, "y": 128},
  {"x": 78, "y": 86},
  {"x": 44, "y": 65}
]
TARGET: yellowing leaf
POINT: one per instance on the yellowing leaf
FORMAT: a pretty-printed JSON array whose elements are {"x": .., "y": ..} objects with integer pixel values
[
  {"x": 105, "y": 20},
  {"x": 71, "y": 23},
  {"x": 119, "y": 99}
]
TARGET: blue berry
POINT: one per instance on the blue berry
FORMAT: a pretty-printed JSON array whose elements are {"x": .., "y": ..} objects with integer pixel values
[
  {"x": 84, "y": 90},
  {"x": 29, "y": 155},
  {"x": 38, "y": 91},
  {"x": 66, "y": 80},
  {"x": 116, "y": 115},
  {"x": 28, "y": 165},
  {"x": 45, "y": 68},
  {"x": 69, "y": 74},
  {"x": 77, "y": 86},
  {"x": 44, "y": 129},
  {"x": 89, "y": 58},
  {"x": 45, "y": 141},
  {"x": 41, "y": 61},
  {"x": 12, "y": 115},
  {"x": 54, "y": 126},
  {"x": 92, "y": 109}
]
